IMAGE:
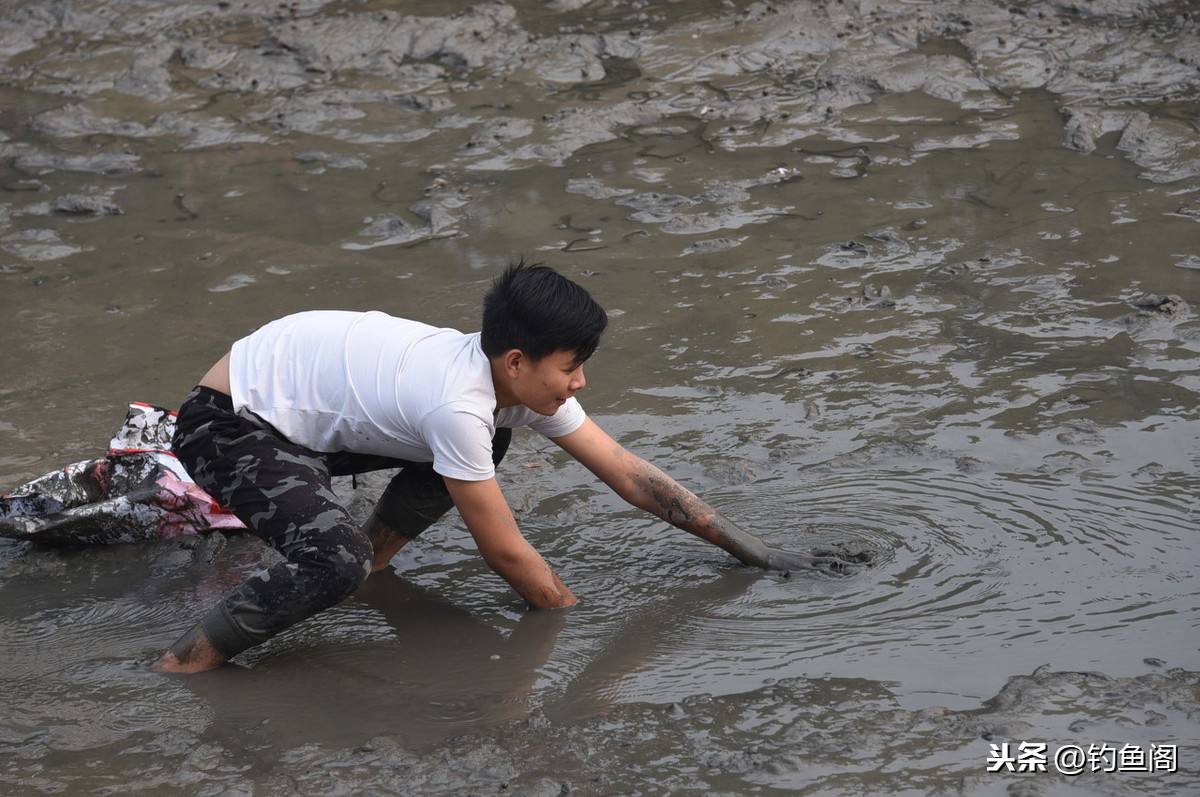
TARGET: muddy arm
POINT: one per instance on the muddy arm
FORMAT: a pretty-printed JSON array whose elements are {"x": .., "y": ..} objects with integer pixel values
[
  {"x": 491, "y": 522},
  {"x": 645, "y": 486}
]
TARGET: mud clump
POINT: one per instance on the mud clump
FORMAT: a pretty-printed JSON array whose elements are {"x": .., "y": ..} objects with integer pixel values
[
  {"x": 78, "y": 204},
  {"x": 1156, "y": 316}
]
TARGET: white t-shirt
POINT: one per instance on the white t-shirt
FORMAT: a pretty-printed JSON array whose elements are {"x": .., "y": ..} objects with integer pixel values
[{"x": 370, "y": 383}]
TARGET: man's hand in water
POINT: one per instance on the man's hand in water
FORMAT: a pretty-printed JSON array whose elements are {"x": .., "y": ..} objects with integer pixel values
[
  {"x": 838, "y": 563},
  {"x": 648, "y": 488}
]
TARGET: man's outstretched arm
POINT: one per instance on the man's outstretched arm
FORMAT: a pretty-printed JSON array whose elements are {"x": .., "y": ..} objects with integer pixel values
[
  {"x": 645, "y": 486},
  {"x": 490, "y": 520}
]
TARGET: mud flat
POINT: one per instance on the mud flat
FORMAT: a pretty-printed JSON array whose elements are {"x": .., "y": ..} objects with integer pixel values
[{"x": 917, "y": 277}]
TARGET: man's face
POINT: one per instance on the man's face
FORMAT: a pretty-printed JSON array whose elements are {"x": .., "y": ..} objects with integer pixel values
[{"x": 545, "y": 385}]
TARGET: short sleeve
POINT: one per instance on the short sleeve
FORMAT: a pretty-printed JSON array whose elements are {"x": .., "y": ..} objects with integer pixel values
[
  {"x": 570, "y": 416},
  {"x": 461, "y": 443}
]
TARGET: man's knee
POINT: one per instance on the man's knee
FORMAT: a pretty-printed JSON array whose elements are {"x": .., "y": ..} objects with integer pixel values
[
  {"x": 334, "y": 564},
  {"x": 414, "y": 499},
  {"x": 417, "y": 496}
]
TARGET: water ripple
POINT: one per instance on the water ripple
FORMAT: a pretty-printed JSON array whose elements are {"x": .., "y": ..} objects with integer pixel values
[{"x": 964, "y": 566}]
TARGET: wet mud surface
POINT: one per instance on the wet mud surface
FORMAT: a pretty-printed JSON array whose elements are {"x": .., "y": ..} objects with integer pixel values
[{"x": 910, "y": 278}]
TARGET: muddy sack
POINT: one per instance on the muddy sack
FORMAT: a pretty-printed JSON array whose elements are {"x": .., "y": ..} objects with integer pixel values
[{"x": 138, "y": 491}]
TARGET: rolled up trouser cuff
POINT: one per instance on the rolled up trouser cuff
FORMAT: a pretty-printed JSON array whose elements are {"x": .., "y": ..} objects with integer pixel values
[{"x": 225, "y": 634}]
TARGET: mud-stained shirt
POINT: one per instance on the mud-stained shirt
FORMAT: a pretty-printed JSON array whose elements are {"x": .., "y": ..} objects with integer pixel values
[{"x": 371, "y": 383}]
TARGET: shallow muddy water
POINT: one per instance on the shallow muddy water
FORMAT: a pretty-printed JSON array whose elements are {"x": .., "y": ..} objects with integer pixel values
[{"x": 912, "y": 278}]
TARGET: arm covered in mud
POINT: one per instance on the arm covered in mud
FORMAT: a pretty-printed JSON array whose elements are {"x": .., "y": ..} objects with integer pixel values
[
  {"x": 492, "y": 525},
  {"x": 646, "y": 487}
]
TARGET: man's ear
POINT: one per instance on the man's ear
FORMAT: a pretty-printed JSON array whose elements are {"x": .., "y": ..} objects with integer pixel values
[{"x": 513, "y": 360}]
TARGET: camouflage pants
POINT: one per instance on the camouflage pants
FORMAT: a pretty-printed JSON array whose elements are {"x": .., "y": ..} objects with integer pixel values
[{"x": 282, "y": 492}]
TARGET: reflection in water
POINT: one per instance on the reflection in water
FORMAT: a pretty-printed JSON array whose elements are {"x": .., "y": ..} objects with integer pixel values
[
  {"x": 982, "y": 569},
  {"x": 641, "y": 636},
  {"x": 396, "y": 660}
]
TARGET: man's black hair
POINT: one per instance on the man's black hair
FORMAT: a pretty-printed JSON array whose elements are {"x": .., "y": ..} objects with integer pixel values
[{"x": 533, "y": 308}]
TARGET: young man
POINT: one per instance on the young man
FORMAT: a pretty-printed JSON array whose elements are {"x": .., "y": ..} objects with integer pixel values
[{"x": 325, "y": 393}]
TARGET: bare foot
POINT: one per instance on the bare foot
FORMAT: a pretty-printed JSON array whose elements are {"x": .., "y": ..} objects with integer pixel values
[{"x": 192, "y": 653}]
